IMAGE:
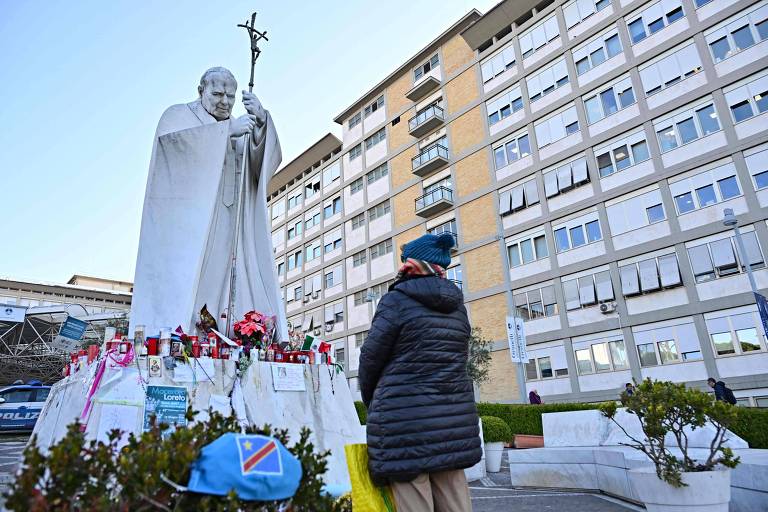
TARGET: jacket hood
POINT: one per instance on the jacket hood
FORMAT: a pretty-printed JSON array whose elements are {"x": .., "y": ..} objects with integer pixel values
[{"x": 433, "y": 292}]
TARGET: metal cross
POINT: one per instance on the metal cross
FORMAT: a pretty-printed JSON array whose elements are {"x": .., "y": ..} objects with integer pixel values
[{"x": 255, "y": 36}]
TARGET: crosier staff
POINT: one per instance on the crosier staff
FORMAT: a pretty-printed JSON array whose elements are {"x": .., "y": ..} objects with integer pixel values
[{"x": 255, "y": 36}]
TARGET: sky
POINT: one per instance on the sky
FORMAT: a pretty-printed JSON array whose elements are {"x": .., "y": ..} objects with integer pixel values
[{"x": 84, "y": 82}]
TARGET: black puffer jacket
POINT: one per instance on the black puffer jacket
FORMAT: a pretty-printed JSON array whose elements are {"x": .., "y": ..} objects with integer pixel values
[{"x": 421, "y": 408}]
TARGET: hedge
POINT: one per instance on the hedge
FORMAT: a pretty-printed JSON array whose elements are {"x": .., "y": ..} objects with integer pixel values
[
  {"x": 526, "y": 419},
  {"x": 752, "y": 425}
]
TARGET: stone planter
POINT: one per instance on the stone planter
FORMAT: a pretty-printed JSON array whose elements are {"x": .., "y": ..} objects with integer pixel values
[
  {"x": 528, "y": 441},
  {"x": 493, "y": 454},
  {"x": 707, "y": 491}
]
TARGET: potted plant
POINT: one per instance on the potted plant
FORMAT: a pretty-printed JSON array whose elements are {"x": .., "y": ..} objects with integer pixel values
[
  {"x": 495, "y": 433},
  {"x": 668, "y": 413}
]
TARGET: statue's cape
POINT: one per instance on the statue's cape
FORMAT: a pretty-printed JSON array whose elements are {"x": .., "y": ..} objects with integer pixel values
[{"x": 187, "y": 224}]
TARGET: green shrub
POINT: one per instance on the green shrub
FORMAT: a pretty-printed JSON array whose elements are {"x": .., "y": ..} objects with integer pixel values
[
  {"x": 362, "y": 412},
  {"x": 495, "y": 430},
  {"x": 82, "y": 474},
  {"x": 752, "y": 426},
  {"x": 526, "y": 419}
]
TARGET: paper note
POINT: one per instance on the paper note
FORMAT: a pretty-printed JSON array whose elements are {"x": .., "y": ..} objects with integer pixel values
[
  {"x": 121, "y": 417},
  {"x": 288, "y": 377}
]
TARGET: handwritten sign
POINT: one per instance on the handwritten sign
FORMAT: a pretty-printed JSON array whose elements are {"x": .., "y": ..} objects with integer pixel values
[{"x": 288, "y": 377}]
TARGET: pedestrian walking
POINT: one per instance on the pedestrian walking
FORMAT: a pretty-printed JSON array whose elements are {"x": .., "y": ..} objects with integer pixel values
[
  {"x": 422, "y": 424},
  {"x": 629, "y": 388},
  {"x": 722, "y": 392},
  {"x": 534, "y": 398}
]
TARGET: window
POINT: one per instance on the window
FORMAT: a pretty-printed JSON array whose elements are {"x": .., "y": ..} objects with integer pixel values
[
  {"x": 506, "y": 153},
  {"x": 556, "y": 127},
  {"x": 720, "y": 258},
  {"x": 422, "y": 70},
  {"x": 650, "y": 275},
  {"x": 312, "y": 221},
  {"x": 566, "y": 177},
  {"x": 378, "y": 211},
  {"x": 518, "y": 198},
  {"x": 374, "y": 139},
  {"x": 537, "y": 303},
  {"x": 332, "y": 208},
  {"x": 355, "y": 152},
  {"x": 654, "y": 18},
  {"x": 504, "y": 105},
  {"x": 446, "y": 227},
  {"x": 373, "y": 107},
  {"x": 359, "y": 297},
  {"x": 359, "y": 258},
  {"x": 281, "y": 268},
  {"x": 669, "y": 69},
  {"x": 379, "y": 290},
  {"x": 622, "y": 154},
  {"x": 332, "y": 277},
  {"x": 312, "y": 187},
  {"x": 278, "y": 209},
  {"x": 686, "y": 127},
  {"x": 18, "y": 396},
  {"x": 295, "y": 260},
  {"x": 757, "y": 164},
  {"x": 313, "y": 250},
  {"x": 358, "y": 221},
  {"x": 356, "y": 186},
  {"x": 455, "y": 274},
  {"x": 332, "y": 173},
  {"x": 377, "y": 173},
  {"x": 334, "y": 314},
  {"x": 547, "y": 80},
  {"x": 360, "y": 338},
  {"x": 587, "y": 290},
  {"x": 538, "y": 36},
  {"x": 705, "y": 189},
  {"x": 579, "y": 10},
  {"x": 540, "y": 368},
  {"x": 497, "y": 64},
  {"x": 527, "y": 250},
  {"x": 736, "y": 333},
  {"x": 596, "y": 51},
  {"x": 355, "y": 120},
  {"x": 572, "y": 236},
  {"x": 602, "y": 357},
  {"x": 748, "y": 100},
  {"x": 295, "y": 199},
  {"x": 737, "y": 33},
  {"x": 295, "y": 230},
  {"x": 381, "y": 249},
  {"x": 623, "y": 216},
  {"x": 609, "y": 101},
  {"x": 333, "y": 242}
]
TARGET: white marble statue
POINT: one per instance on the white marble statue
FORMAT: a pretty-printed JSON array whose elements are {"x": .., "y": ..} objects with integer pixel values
[{"x": 188, "y": 221}]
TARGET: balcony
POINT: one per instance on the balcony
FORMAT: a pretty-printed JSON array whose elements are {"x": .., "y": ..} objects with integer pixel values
[
  {"x": 423, "y": 88},
  {"x": 431, "y": 158},
  {"x": 426, "y": 121},
  {"x": 434, "y": 201}
]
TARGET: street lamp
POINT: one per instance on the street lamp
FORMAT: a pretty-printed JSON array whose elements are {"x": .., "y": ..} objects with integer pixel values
[{"x": 730, "y": 220}]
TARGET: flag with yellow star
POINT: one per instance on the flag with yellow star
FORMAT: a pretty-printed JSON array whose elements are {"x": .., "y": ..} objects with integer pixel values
[{"x": 259, "y": 454}]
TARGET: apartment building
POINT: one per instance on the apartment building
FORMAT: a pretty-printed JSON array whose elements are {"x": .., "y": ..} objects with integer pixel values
[{"x": 582, "y": 152}]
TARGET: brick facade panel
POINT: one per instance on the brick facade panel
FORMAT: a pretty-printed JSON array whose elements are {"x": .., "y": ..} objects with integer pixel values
[
  {"x": 472, "y": 173},
  {"x": 456, "y": 53},
  {"x": 461, "y": 91},
  {"x": 467, "y": 131},
  {"x": 489, "y": 314},
  {"x": 398, "y": 134},
  {"x": 483, "y": 268},
  {"x": 478, "y": 219},
  {"x": 395, "y": 96},
  {"x": 400, "y": 168},
  {"x": 501, "y": 385},
  {"x": 404, "y": 206}
]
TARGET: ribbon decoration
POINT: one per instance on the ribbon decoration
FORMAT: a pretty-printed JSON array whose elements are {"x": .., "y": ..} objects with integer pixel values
[{"x": 123, "y": 362}]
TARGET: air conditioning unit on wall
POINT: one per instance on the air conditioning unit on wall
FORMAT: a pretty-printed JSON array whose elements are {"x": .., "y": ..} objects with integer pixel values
[{"x": 607, "y": 307}]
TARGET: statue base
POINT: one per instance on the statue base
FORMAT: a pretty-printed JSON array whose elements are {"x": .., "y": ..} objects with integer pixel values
[{"x": 319, "y": 399}]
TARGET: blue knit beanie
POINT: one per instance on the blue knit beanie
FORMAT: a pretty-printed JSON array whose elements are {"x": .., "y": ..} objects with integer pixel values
[{"x": 434, "y": 249}]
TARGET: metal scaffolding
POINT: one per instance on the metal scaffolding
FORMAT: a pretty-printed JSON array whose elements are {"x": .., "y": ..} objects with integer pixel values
[{"x": 32, "y": 349}]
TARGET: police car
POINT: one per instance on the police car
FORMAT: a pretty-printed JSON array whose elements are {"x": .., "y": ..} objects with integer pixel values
[{"x": 20, "y": 405}]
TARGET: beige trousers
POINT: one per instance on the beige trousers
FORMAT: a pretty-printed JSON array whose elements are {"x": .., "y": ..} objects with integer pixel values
[{"x": 446, "y": 491}]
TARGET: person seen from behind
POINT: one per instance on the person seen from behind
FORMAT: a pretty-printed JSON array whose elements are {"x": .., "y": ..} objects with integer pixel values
[
  {"x": 722, "y": 392},
  {"x": 422, "y": 427},
  {"x": 534, "y": 398}
]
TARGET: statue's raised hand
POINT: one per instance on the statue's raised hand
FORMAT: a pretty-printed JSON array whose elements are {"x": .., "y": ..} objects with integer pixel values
[
  {"x": 253, "y": 106},
  {"x": 242, "y": 125}
]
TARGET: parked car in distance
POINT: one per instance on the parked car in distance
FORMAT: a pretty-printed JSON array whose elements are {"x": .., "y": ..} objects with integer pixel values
[{"x": 20, "y": 406}]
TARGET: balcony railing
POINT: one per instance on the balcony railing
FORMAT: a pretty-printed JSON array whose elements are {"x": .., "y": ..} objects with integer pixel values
[
  {"x": 456, "y": 282},
  {"x": 438, "y": 199},
  {"x": 426, "y": 121},
  {"x": 431, "y": 158}
]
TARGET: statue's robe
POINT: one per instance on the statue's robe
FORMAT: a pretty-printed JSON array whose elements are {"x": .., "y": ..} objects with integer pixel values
[{"x": 188, "y": 223}]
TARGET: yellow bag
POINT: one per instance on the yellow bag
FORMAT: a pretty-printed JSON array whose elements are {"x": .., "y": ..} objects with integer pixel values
[{"x": 366, "y": 497}]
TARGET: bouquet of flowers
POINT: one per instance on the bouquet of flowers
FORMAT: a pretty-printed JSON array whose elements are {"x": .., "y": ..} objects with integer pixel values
[{"x": 254, "y": 330}]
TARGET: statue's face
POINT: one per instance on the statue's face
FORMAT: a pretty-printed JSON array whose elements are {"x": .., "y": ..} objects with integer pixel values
[{"x": 218, "y": 96}]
